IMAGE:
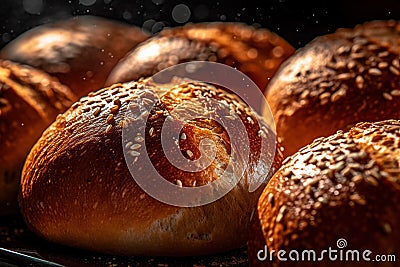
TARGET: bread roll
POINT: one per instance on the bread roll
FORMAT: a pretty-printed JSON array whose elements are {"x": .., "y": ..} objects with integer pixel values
[
  {"x": 80, "y": 51},
  {"x": 256, "y": 52},
  {"x": 29, "y": 102},
  {"x": 77, "y": 189},
  {"x": 337, "y": 80},
  {"x": 342, "y": 187}
]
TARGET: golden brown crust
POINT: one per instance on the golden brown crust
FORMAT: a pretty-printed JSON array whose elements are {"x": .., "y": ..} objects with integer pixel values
[
  {"x": 343, "y": 186},
  {"x": 77, "y": 189},
  {"x": 29, "y": 101},
  {"x": 80, "y": 51},
  {"x": 337, "y": 80},
  {"x": 256, "y": 52}
]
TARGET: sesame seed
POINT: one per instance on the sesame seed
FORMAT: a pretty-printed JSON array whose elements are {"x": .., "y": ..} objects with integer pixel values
[
  {"x": 344, "y": 76},
  {"x": 250, "y": 120},
  {"x": 108, "y": 129},
  {"x": 96, "y": 111},
  {"x": 317, "y": 205},
  {"x": 375, "y": 71},
  {"x": 383, "y": 54},
  {"x": 183, "y": 136},
  {"x": 142, "y": 196},
  {"x": 151, "y": 131},
  {"x": 339, "y": 166},
  {"x": 139, "y": 139},
  {"x": 307, "y": 157},
  {"x": 326, "y": 84},
  {"x": 144, "y": 114},
  {"x": 340, "y": 65},
  {"x": 325, "y": 95},
  {"x": 372, "y": 181},
  {"x": 117, "y": 101},
  {"x": 394, "y": 71},
  {"x": 370, "y": 163},
  {"x": 133, "y": 106},
  {"x": 179, "y": 183},
  {"x": 305, "y": 94},
  {"x": 396, "y": 63},
  {"x": 147, "y": 101},
  {"x": 311, "y": 182},
  {"x": 114, "y": 109},
  {"x": 387, "y": 96},
  {"x": 75, "y": 105},
  {"x": 189, "y": 153},
  {"x": 313, "y": 76},
  {"x": 346, "y": 171},
  {"x": 356, "y": 48},
  {"x": 261, "y": 133},
  {"x": 360, "y": 82},
  {"x": 270, "y": 198},
  {"x": 340, "y": 157},
  {"x": 308, "y": 190},
  {"x": 375, "y": 173},
  {"x": 343, "y": 49},
  {"x": 383, "y": 65},
  {"x": 135, "y": 146},
  {"x": 286, "y": 160},
  {"x": 339, "y": 94},
  {"x": 373, "y": 47},
  {"x": 356, "y": 179},
  {"x": 110, "y": 118},
  {"x": 128, "y": 144},
  {"x": 351, "y": 64},
  {"x": 134, "y": 153},
  {"x": 279, "y": 217},
  {"x": 358, "y": 199},
  {"x": 387, "y": 228},
  {"x": 357, "y": 55},
  {"x": 287, "y": 172},
  {"x": 395, "y": 92}
]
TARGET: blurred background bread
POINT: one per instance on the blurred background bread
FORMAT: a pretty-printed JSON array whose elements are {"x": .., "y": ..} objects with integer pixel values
[
  {"x": 29, "y": 102},
  {"x": 80, "y": 51},
  {"x": 345, "y": 186},
  {"x": 337, "y": 80},
  {"x": 256, "y": 52},
  {"x": 77, "y": 189}
]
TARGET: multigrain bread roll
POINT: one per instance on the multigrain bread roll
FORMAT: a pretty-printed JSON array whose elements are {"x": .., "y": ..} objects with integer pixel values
[
  {"x": 256, "y": 52},
  {"x": 342, "y": 192},
  {"x": 337, "y": 80},
  {"x": 80, "y": 51},
  {"x": 29, "y": 102},
  {"x": 77, "y": 189}
]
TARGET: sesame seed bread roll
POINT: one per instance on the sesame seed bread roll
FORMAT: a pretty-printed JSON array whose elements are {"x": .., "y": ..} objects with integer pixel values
[
  {"x": 336, "y": 81},
  {"x": 256, "y": 52},
  {"x": 29, "y": 102},
  {"x": 342, "y": 187},
  {"x": 79, "y": 51},
  {"x": 77, "y": 189}
]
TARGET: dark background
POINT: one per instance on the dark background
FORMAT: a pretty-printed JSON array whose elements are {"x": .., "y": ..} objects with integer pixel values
[{"x": 295, "y": 20}]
